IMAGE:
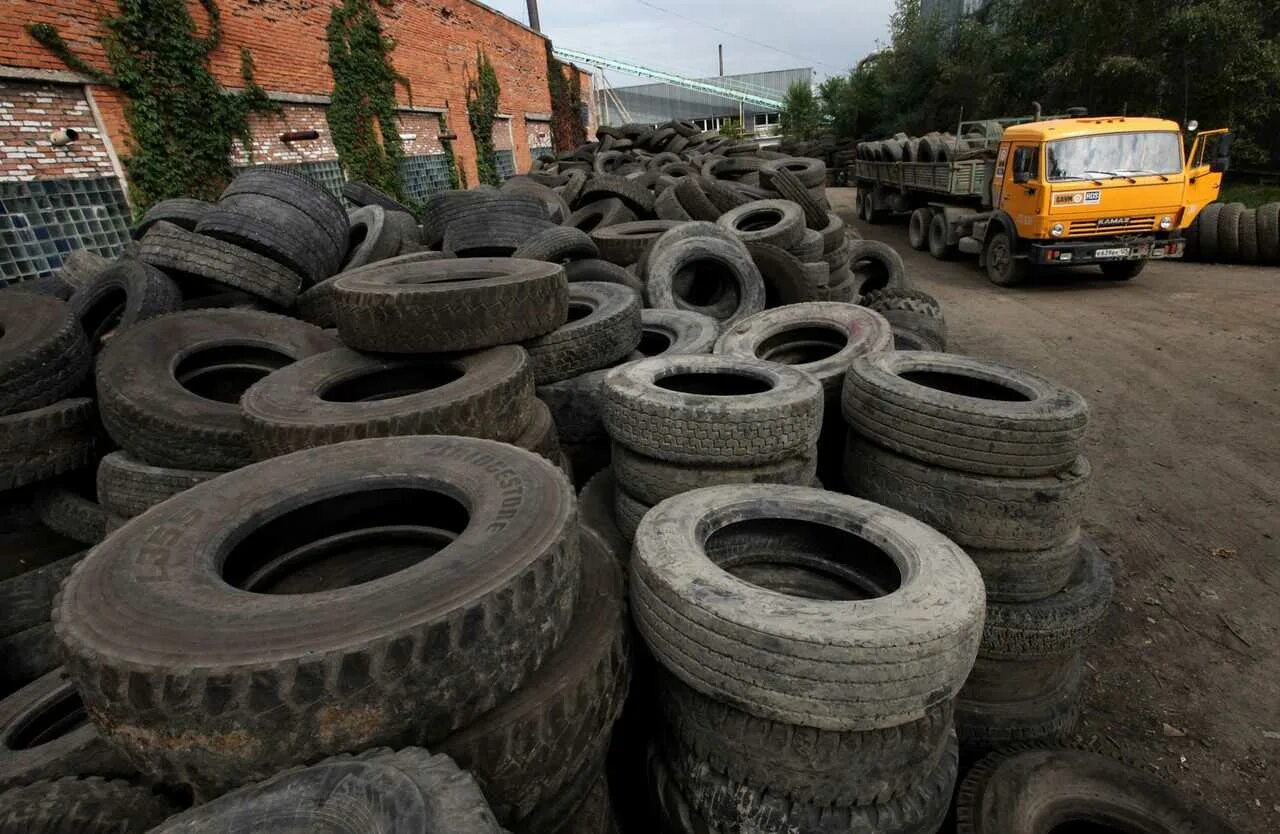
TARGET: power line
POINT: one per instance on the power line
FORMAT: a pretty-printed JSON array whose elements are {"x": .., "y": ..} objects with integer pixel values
[{"x": 736, "y": 35}]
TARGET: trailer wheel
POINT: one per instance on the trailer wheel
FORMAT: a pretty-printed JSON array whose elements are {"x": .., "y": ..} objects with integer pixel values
[
  {"x": 1004, "y": 268},
  {"x": 1122, "y": 270},
  {"x": 938, "y": 245},
  {"x": 918, "y": 228}
]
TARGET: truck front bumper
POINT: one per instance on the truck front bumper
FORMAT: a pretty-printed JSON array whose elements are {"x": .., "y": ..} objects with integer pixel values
[{"x": 1096, "y": 251}]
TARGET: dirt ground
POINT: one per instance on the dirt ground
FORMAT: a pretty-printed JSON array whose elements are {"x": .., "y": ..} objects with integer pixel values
[{"x": 1181, "y": 367}]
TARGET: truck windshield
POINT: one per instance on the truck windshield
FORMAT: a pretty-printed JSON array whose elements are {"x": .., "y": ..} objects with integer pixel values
[{"x": 1114, "y": 155}]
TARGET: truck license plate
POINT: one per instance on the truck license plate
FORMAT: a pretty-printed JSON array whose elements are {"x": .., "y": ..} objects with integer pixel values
[{"x": 1112, "y": 253}]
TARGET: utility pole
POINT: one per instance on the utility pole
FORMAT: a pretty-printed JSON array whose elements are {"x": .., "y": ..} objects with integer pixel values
[
  {"x": 534, "y": 23},
  {"x": 720, "y": 47}
]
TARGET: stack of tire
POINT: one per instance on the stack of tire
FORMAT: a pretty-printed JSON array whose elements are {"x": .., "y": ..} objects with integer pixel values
[
  {"x": 990, "y": 455},
  {"x": 914, "y": 315},
  {"x": 810, "y": 647},
  {"x": 1233, "y": 233},
  {"x": 681, "y": 422}
]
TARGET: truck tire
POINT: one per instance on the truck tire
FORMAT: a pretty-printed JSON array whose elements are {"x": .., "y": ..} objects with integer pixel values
[
  {"x": 603, "y": 329},
  {"x": 694, "y": 200},
  {"x": 822, "y": 338},
  {"x": 46, "y": 442},
  {"x": 598, "y": 269},
  {"x": 535, "y": 742},
  {"x": 1027, "y": 575},
  {"x": 628, "y": 512},
  {"x": 540, "y": 436},
  {"x": 712, "y": 409},
  {"x": 673, "y": 332},
  {"x": 89, "y": 805},
  {"x": 667, "y": 206},
  {"x": 385, "y": 790},
  {"x": 876, "y": 265},
  {"x": 1019, "y": 703},
  {"x": 44, "y": 355},
  {"x": 206, "y": 259},
  {"x": 1269, "y": 233},
  {"x": 127, "y": 293},
  {"x": 35, "y": 563},
  {"x": 1004, "y": 267},
  {"x": 938, "y": 245},
  {"x": 370, "y": 239},
  {"x": 394, "y": 648},
  {"x": 779, "y": 223},
  {"x": 359, "y": 193},
  {"x": 345, "y": 395},
  {"x": 182, "y": 212},
  {"x": 1248, "y": 235},
  {"x": 70, "y": 509},
  {"x": 495, "y": 226},
  {"x": 651, "y": 481},
  {"x": 575, "y": 407},
  {"x": 785, "y": 278},
  {"x": 315, "y": 304},
  {"x": 169, "y": 390},
  {"x": 1208, "y": 222},
  {"x": 1018, "y": 792},
  {"x": 557, "y": 245},
  {"x": 129, "y": 487},
  {"x": 45, "y": 734},
  {"x": 447, "y": 305},
  {"x": 277, "y": 229},
  {"x": 701, "y": 573},
  {"x": 967, "y": 414},
  {"x": 912, "y": 310},
  {"x": 788, "y": 185},
  {"x": 1229, "y": 232},
  {"x": 918, "y": 228},
  {"x": 982, "y": 511},
  {"x": 717, "y": 271}
]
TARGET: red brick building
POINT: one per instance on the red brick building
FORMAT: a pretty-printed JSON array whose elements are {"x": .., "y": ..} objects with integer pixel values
[{"x": 53, "y": 199}]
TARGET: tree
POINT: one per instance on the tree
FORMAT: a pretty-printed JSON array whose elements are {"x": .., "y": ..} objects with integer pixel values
[
  {"x": 801, "y": 117},
  {"x": 732, "y": 128}
]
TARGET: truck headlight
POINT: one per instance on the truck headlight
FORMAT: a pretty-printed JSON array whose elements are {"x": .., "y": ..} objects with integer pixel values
[
  {"x": 1056, "y": 230},
  {"x": 1166, "y": 223}
]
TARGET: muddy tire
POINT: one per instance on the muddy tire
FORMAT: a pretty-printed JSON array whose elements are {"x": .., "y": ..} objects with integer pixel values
[
  {"x": 169, "y": 389},
  {"x": 315, "y": 305},
  {"x": 870, "y": 664},
  {"x": 1269, "y": 233},
  {"x": 628, "y": 512},
  {"x": 575, "y": 406},
  {"x": 534, "y": 743},
  {"x": 674, "y": 332},
  {"x": 596, "y": 269},
  {"x": 722, "y": 411},
  {"x": 463, "y": 304},
  {"x": 557, "y": 245},
  {"x": 1026, "y": 575},
  {"x": 939, "y": 247},
  {"x": 967, "y": 414},
  {"x": 913, "y": 310},
  {"x": 603, "y": 329},
  {"x": 786, "y": 279},
  {"x": 1248, "y": 235},
  {"x": 345, "y": 395},
  {"x": 45, "y": 734},
  {"x": 86, "y": 806},
  {"x": 626, "y": 243},
  {"x": 599, "y": 215},
  {"x": 127, "y": 293},
  {"x": 129, "y": 487},
  {"x": 190, "y": 255},
  {"x": 370, "y": 239},
  {"x": 541, "y": 437},
  {"x": 44, "y": 355},
  {"x": 1004, "y": 267},
  {"x": 67, "y": 512},
  {"x": 789, "y": 186},
  {"x": 778, "y": 223},
  {"x": 46, "y": 442},
  {"x": 717, "y": 271},
  {"x": 1020, "y": 702},
  {"x": 980, "y": 511},
  {"x": 918, "y": 228},
  {"x": 877, "y": 265},
  {"x": 667, "y": 206},
  {"x": 395, "y": 648},
  {"x": 651, "y": 480},
  {"x": 35, "y": 563}
]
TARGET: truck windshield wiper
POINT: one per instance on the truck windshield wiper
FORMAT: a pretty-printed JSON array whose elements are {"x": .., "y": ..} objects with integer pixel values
[
  {"x": 1112, "y": 174},
  {"x": 1145, "y": 173}
]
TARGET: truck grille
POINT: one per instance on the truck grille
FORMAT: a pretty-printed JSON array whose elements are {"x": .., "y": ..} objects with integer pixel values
[{"x": 1085, "y": 228}]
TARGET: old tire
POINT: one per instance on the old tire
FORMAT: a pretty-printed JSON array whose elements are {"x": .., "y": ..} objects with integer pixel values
[
  {"x": 69, "y": 509},
  {"x": 127, "y": 293},
  {"x": 625, "y": 243},
  {"x": 557, "y": 245},
  {"x": 191, "y": 255},
  {"x": 89, "y": 805},
  {"x": 651, "y": 481},
  {"x": 596, "y": 269},
  {"x": 939, "y": 247},
  {"x": 370, "y": 237},
  {"x": 721, "y": 410},
  {"x": 599, "y": 215},
  {"x": 35, "y": 563},
  {"x": 183, "y": 212},
  {"x": 45, "y": 442},
  {"x": 1026, "y": 575},
  {"x": 603, "y": 329},
  {"x": 673, "y": 332},
  {"x": 411, "y": 652},
  {"x": 876, "y": 265},
  {"x": 982, "y": 511},
  {"x": 1229, "y": 232},
  {"x": 359, "y": 193},
  {"x": 315, "y": 305},
  {"x": 967, "y": 414},
  {"x": 1269, "y": 233},
  {"x": 715, "y": 270},
  {"x": 1248, "y": 234},
  {"x": 1022, "y": 702},
  {"x": 44, "y": 355},
  {"x": 1004, "y": 267},
  {"x": 345, "y": 395},
  {"x": 786, "y": 279},
  {"x": 913, "y": 310},
  {"x": 1208, "y": 223},
  {"x": 827, "y": 659},
  {"x": 459, "y": 304},
  {"x": 169, "y": 390},
  {"x": 918, "y": 228},
  {"x": 595, "y": 506},
  {"x": 129, "y": 487},
  {"x": 778, "y": 223}
]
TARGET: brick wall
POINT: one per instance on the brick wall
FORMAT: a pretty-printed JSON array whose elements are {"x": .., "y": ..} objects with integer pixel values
[
  {"x": 28, "y": 113},
  {"x": 268, "y": 127},
  {"x": 436, "y": 43}
]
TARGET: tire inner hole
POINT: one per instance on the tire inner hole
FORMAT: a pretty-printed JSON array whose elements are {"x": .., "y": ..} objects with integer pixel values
[
  {"x": 458, "y": 275},
  {"x": 225, "y": 372},
  {"x": 344, "y": 541},
  {"x": 654, "y": 342},
  {"x": 588, "y": 222},
  {"x": 714, "y": 384},
  {"x": 803, "y": 559},
  {"x": 356, "y": 236},
  {"x": 702, "y": 283},
  {"x": 53, "y": 720},
  {"x": 873, "y": 274},
  {"x": 389, "y": 383},
  {"x": 103, "y": 316},
  {"x": 758, "y": 220},
  {"x": 963, "y": 385},
  {"x": 802, "y": 345},
  {"x": 578, "y": 310}
]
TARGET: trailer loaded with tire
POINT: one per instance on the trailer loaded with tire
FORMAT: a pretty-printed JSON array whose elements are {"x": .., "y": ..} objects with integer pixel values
[{"x": 638, "y": 494}]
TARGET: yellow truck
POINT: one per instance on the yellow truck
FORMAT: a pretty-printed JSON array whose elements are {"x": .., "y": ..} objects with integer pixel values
[{"x": 1114, "y": 191}]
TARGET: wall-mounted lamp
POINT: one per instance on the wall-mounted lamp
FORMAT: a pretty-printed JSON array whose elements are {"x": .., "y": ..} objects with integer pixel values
[
  {"x": 63, "y": 136},
  {"x": 299, "y": 135}
]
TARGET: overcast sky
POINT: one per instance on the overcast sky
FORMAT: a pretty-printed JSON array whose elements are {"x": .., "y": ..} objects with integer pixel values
[{"x": 827, "y": 35}]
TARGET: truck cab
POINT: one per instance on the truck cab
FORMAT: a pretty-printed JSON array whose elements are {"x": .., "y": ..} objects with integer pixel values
[{"x": 1113, "y": 191}]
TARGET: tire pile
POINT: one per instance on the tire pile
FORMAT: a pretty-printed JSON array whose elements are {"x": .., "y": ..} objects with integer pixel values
[
  {"x": 934, "y": 146},
  {"x": 1232, "y": 233},
  {"x": 990, "y": 455}
]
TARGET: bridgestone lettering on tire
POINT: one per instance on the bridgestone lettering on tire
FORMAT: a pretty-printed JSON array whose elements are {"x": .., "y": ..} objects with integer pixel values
[
  {"x": 463, "y": 304},
  {"x": 244, "y": 641},
  {"x": 967, "y": 414},
  {"x": 712, "y": 409},
  {"x": 826, "y": 659}
]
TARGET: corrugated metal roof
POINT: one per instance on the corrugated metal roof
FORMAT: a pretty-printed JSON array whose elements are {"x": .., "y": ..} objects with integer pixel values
[{"x": 660, "y": 102}]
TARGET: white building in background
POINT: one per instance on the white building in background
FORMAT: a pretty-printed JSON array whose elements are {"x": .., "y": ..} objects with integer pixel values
[{"x": 660, "y": 102}]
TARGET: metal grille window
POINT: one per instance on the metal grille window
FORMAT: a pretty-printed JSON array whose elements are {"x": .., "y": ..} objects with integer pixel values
[
  {"x": 425, "y": 175},
  {"x": 536, "y": 151},
  {"x": 327, "y": 173},
  {"x": 506, "y": 164},
  {"x": 42, "y": 221}
]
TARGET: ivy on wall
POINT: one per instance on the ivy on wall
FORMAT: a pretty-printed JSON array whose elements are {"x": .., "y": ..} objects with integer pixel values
[
  {"x": 455, "y": 180},
  {"x": 567, "y": 129},
  {"x": 181, "y": 123},
  {"x": 482, "y": 109},
  {"x": 362, "y": 111}
]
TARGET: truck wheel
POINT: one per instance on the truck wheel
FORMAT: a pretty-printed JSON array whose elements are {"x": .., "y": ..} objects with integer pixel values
[
  {"x": 1003, "y": 267},
  {"x": 918, "y": 228},
  {"x": 938, "y": 245},
  {"x": 1123, "y": 270}
]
